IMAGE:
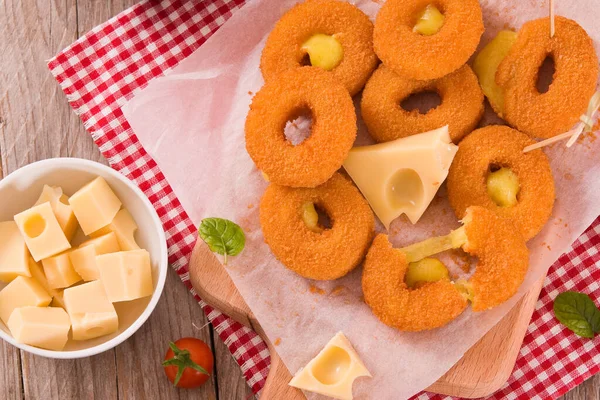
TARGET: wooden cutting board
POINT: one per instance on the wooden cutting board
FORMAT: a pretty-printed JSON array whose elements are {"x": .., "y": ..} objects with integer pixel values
[{"x": 480, "y": 372}]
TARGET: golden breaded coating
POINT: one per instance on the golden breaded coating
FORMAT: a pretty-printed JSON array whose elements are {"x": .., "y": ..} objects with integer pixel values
[
  {"x": 502, "y": 254},
  {"x": 349, "y": 25},
  {"x": 544, "y": 115},
  {"x": 430, "y": 306},
  {"x": 417, "y": 56},
  {"x": 501, "y": 146},
  {"x": 330, "y": 254},
  {"x": 461, "y": 107},
  {"x": 333, "y": 131}
]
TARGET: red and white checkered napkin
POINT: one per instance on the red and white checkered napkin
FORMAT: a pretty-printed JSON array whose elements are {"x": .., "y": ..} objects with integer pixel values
[{"x": 103, "y": 69}]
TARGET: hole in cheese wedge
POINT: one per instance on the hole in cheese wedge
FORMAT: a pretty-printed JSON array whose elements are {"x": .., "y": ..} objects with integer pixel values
[
  {"x": 333, "y": 366},
  {"x": 405, "y": 188},
  {"x": 34, "y": 226}
]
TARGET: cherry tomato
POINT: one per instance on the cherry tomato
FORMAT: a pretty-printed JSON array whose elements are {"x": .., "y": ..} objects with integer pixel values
[{"x": 188, "y": 362}]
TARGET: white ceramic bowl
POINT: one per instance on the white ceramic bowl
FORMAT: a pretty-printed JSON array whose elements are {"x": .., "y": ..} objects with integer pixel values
[{"x": 20, "y": 190}]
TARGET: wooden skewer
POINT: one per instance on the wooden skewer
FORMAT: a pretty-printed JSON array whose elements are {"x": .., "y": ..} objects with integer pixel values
[
  {"x": 554, "y": 139},
  {"x": 551, "y": 18}
]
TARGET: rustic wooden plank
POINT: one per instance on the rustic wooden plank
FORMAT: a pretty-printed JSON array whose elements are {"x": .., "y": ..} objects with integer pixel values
[
  {"x": 140, "y": 374},
  {"x": 589, "y": 390},
  {"x": 10, "y": 374},
  {"x": 231, "y": 383}
]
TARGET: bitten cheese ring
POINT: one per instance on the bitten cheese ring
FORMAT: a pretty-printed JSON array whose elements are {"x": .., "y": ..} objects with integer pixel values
[
  {"x": 461, "y": 107},
  {"x": 428, "y": 307},
  {"x": 330, "y": 253},
  {"x": 417, "y": 56},
  {"x": 547, "y": 114},
  {"x": 503, "y": 260},
  {"x": 292, "y": 93},
  {"x": 345, "y": 22},
  {"x": 501, "y": 146}
]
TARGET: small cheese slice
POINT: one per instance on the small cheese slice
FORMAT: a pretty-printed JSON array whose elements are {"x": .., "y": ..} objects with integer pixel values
[
  {"x": 61, "y": 208},
  {"x": 38, "y": 274},
  {"x": 124, "y": 227},
  {"x": 42, "y": 232},
  {"x": 59, "y": 271},
  {"x": 95, "y": 205},
  {"x": 126, "y": 275},
  {"x": 333, "y": 371},
  {"x": 84, "y": 257},
  {"x": 13, "y": 252},
  {"x": 92, "y": 314},
  {"x": 402, "y": 176},
  {"x": 21, "y": 292},
  {"x": 45, "y": 327}
]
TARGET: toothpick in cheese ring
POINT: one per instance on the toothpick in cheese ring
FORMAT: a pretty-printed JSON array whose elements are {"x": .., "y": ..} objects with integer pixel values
[
  {"x": 461, "y": 105},
  {"x": 306, "y": 90},
  {"x": 503, "y": 260},
  {"x": 490, "y": 170},
  {"x": 414, "y": 53},
  {"x": 544, "y": 115},
  {"x": 291, "y": 229},
  {"x": 331, "y": 34}
]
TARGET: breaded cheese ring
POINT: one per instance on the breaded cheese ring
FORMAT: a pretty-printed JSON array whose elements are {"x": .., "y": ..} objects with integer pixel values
[
  {"x": 417, "y": 56},
  {"x": 501, "y": 146},
  {"x": 333, "y": 131},
  {"x": 331, "y": 253},
  {"x": 461, "y": 105},
  {"x": 349, "y": 25},
  {"x": 547, "y": 114},
  {"x": 428, "y": 307}
]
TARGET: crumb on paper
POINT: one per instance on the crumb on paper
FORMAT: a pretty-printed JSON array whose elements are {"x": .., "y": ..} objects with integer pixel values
[
  {"x": 568, "y": 176},
  {"x": 549, "y": 248},
  {"x": 277, "y": 341},
  {"x": 250, "y": 206},
  {"x": 250, "y": 92},
  {"x": 337, "y": 290},
  {"x": 315, "y": 289}
]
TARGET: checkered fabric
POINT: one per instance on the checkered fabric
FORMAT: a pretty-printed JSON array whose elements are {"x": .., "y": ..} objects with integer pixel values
[{"x": 105, "y": 68}]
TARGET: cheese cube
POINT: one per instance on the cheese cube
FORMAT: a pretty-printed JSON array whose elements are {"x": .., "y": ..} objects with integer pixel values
[
  {"x": 126, "y": 275},
  {"x": 58, "y": 299},
  {"x": 45, "y": 327},
  {"x": 92, "y": 314},
  {"x": 42, "y": 232},
  {"x": 95, "y": 205},
  {"x": 37, "y": 273},
  {"x": 124, "y": 227},
  {"x": 13, "y": 252},
  {"x": 59, "y": 271},
  {"x": 22, "y": 292},
  {"x": 84, "y": 258},
  {"x": 61, "y": 208}
]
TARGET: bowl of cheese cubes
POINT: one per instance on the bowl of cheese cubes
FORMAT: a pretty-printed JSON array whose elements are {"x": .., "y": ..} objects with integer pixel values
[{"x": 83, "y": 258}]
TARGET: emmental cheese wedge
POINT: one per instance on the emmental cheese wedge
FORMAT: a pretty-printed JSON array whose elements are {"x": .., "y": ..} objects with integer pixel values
[
  {"x": 402, "y": 176},
  {"x": 95, "y": 205},
  {"x": 126, "y": 275},
  {"x": 84, "y": 258},
  {"x": 124, "y": 228},
  {"x": 38, "y": 274},
  {"x": 59, "y": 271},
  {"x": 13, "y": 252},
  {"x": 333, "y": 371},
  {"x": 22, "y": 292},
  {"x": 45, "y": 327},
  {"x": 61, "y": 208}
]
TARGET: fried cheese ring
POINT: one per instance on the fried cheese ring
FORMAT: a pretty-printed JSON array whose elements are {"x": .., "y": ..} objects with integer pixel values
[
  {"x": 503, "y": 260},
  {"x": 501, "y": 146},
  {"x": 417, "y": 56},
  {"x": 292, "y": 93},
  {"x": 344, "y": 21},
  {"x": 461, "y": 105},
  {"x": 430, "y": 306},
  {"x": 547, "y": 114},
  {"x": 331, "y": 253}
]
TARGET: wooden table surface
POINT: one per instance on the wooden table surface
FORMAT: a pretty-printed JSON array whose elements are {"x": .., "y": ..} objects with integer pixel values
[{"x": 36, "y": 122}]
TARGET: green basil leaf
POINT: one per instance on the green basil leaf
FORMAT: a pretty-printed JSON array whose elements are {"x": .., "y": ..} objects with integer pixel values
[
  {"x": 577, "y": 312},
  {"x": 222, "y": 236}
]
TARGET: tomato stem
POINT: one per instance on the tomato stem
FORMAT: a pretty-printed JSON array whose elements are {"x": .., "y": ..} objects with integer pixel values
[{"x": 182, "y": 361}]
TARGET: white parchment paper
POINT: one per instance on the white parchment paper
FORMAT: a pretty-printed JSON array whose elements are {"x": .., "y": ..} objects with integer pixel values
[{"x": 192, "y": 122}]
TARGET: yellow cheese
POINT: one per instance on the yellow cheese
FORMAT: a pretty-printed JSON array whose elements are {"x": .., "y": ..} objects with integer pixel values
[
  {"x": 37, "y": 273},
  {"x": 21, "y": 292},
  {"x": 95, "y": 205},
  {"x": 61, "y": 208},
  {"x": 126, "y": 275},
  {"x": 58, "y": 299},
  {"x": 333, "y": 371},
  {"x": 42, "y": 232},
  {"x": 402, "y": 176},
  {"x": 59, "y": 271},
  {"x": 13, "y": 252},
  {"x": 84, "y": 258},
  {"x": 92, "y": 314},
  {"x": 124, "y": 227},
  {"x": 45, "y": 327}
]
